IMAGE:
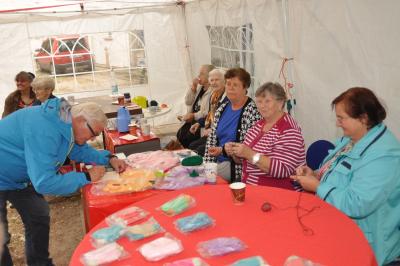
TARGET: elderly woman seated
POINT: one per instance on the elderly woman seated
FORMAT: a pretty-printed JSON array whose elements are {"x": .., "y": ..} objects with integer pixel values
[
  {"x": 197, "y": 99},
  {"x": 232, "y": 120},
  {"x": 361, "y": 175},
  {"x": 217, "y": 87},
  {"x": 43, "y": 88},
  {"x": 274, "y": 146}
]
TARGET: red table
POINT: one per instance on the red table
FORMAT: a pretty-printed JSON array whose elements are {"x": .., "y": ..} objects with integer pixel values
[
  {"x": 97, "y": 207},
  {"x": 275, "y": 235},
  {"x": 114, "y": 144}
]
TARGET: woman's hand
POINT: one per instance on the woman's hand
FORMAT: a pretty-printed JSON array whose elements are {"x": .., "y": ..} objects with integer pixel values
[
  {"x": 215, "y": 151},
  {"x": 118, "y": 164},
  {"x": 207, "y": 132},
  {"x": 242, "y": 151},
  {"x": 308, "y": 182},
  {"x": 304, "y": 170},
  {"x": 229, "y": 148},
  {"x": 194, "y": 128}
]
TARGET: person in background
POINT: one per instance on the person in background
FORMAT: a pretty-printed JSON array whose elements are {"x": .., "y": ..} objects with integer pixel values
[
  {"x": 198, "y": 100},
  {"x": 361, "y": 175},
  {"x": 274, "y": 147},
  {"x": 23, "y": 96},
  {"x": 34, "y": 143},
  {"x": 43, "y": 87},
  {"x": 217, "y": 87},
  {"x": 232, "y": 120}
]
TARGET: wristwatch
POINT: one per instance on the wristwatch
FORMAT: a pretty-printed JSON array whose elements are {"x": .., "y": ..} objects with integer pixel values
[{"x": 256, "y": 158}]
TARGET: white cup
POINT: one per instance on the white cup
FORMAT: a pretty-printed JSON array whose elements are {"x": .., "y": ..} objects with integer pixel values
[
  {"x": 210, "y": 170},
  {"x": 146, "y": 130}
]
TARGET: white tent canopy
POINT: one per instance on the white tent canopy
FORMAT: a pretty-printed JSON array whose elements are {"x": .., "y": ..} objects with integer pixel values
[{"x": 319, "y": 48}]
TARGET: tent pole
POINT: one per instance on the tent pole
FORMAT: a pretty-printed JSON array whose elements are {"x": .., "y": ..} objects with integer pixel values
[
  {"x": 288, "y": 58},
  {"x": 182, "y": 4}
]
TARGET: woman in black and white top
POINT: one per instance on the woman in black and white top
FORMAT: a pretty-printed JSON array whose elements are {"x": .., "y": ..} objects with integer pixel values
[{"x": 231, "y": 121}]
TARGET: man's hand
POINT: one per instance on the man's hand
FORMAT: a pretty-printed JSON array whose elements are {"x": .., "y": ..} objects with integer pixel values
[
  {"x": 96, "y": 173},
  {"x": 194, "y": 128},
  {"x": 195, "y": 83},
  {"x": 188, "y": 117},
  {"x": 118, "y": 164}
]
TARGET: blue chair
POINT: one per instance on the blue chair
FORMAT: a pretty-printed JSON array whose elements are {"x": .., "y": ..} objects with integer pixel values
[{"x": 316, "y": 153}]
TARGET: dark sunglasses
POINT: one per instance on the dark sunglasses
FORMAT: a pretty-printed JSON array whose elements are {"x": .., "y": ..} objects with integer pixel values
[{"x": 91, "y": 130}]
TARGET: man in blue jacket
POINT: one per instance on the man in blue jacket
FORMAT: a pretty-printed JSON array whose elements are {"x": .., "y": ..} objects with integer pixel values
[{"x": 34, "y": 143}]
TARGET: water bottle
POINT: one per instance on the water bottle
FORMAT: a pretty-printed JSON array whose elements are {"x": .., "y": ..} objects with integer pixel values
[
  {"x": 114, "y": 85},
  {"x": 123, "y": 120}
]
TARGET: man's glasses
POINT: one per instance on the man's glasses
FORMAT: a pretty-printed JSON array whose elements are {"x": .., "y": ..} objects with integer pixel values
[{"x": 91, "y": 130}]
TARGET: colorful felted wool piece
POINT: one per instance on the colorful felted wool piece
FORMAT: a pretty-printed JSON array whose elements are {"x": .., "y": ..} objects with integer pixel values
[
  {"x": 251, "y": 261},
  {"x": 143, "y": 230},
  {"x": 106, "y": 254},
  {"x": 193, "y": 222},
  {"x": 192, "y": 160},
  {"x": 220, "y": 246},
  {"x": 178, "y": 205},
  {"x": 188, "y": 262},
  {"x": 107, "y": 235}
]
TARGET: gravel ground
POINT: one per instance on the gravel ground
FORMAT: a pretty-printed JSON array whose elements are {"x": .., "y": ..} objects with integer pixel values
[{"x": 66, "y": 230}]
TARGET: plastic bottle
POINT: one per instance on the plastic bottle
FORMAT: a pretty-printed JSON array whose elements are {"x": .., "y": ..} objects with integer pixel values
[
  {"x": 114, "y": 85},
  {"x": 123, "y": 120}
]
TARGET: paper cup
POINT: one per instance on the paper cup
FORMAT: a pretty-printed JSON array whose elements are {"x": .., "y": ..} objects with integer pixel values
[
  {"x": 121, "y": 100},
  {"x": 210, "y": 170},
  {"x": 238, "y": 192}
]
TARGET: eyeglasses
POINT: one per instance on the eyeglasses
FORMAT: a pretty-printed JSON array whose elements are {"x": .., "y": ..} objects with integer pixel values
[{"x": 91, "y": 130}]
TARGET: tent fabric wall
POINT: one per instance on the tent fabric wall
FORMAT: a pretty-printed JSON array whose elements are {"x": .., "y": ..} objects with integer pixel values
[
  {"x": 338, "y": 45},
  {"x": 167, "y": 75},
  {"x": 334, "y": 44}
]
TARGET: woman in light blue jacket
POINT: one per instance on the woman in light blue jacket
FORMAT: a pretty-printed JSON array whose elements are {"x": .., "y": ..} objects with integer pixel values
[{"x": 361, "y": 176}]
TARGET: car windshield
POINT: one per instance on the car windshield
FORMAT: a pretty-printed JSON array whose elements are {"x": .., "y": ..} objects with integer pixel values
[{"x": 68, "y": 45}]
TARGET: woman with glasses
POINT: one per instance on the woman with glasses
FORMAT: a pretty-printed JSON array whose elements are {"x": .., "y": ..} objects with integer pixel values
[{"x": 361, "y": 175}]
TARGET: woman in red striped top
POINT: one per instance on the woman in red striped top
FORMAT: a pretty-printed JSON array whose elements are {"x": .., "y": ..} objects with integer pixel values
[{"x": 274, "y": 146}]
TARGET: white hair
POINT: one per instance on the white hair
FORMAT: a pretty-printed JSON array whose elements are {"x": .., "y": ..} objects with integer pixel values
[
  {"x": 218, "y": 71},
  {"x": 42, "y": 83},
  {"x": 90, "y": 111}
]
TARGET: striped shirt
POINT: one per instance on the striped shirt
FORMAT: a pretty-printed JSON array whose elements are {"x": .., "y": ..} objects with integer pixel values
[{"x": 283, "y": 144}]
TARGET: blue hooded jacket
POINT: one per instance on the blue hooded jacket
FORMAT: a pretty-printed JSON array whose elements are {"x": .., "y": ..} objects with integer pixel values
[
  {"x": 34, "y": 143},
  {"x": 364, "y": 183}
]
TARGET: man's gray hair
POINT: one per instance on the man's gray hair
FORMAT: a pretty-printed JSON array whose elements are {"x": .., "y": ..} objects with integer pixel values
[
  {"x": 90, "y": 111},
  {"x": 208, "y": 68},
  {"x": 218, "y": 71},
  {"x": 43, "y": 83}
]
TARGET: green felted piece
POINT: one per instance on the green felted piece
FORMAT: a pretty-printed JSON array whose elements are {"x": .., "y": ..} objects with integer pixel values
[
  {"x": 192, "y": 160},
  {"x": 194, "y": 174}
]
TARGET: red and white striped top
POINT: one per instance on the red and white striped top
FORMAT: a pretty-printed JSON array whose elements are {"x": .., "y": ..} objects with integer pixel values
[{"x": 283, "y": 144}]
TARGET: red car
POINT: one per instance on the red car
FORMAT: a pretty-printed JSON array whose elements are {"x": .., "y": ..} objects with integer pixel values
[{"x": 65, "y": 54}]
